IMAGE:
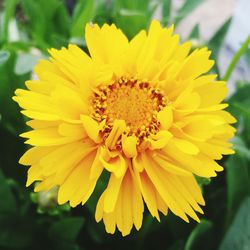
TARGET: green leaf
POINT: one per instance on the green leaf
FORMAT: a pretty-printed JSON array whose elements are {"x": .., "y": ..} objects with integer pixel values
[
  {"x": 186, "y": 9},
  {"x": 240, "y": 146},
  {"x": 131, "y": 21},
  {"x": 132, "y": 5},
  {"x": 239, "y": 53},
  {"x": 177, "y": 245},
  {"x": 247, "y": 54},
  {"x": 8, "y": 202},
  {"x": 67, "y": 246},
  {"x": 238, "y": 181},
  {"x": 202, "y": 180},
  {"x": 4, "y": 56},
  {"x": 103, "y": 12},
  {"x": 25, "y": 63},
  {"x": 62, "y": 21},
  {"x": 45, "y": 21},
  {"x": 166, "y": 12},
  {"x": 11, "y": 119},
  {"x": 195, "y": 32},
  {"x": 240, "y": 108},
  {"x": 217, "y": 39},
  {"x": 197, "y": 237},
  {"x": 96, "y": 231},
  {"x": 66, "y": 229},
  {"x": 12, "y": 147},
  {"x": 132, "y": 16},
  {"x": 36, "y": 20},
  {"x": 100, "y": 186},
  {"x": 145, "y": 231},
  {"x": 18, "y": 46},
  {"x": 83, "y": 13},
  {"x": 242, "y": 96},
  {"x": 16, "y": 232},
  {"x": 238, "y": 235}
]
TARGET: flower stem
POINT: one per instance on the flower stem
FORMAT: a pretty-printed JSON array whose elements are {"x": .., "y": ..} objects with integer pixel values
[{"x": 236, "y": 58}]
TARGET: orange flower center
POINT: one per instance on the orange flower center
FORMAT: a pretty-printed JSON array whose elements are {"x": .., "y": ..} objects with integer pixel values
[{"x": 135, "y": 102}]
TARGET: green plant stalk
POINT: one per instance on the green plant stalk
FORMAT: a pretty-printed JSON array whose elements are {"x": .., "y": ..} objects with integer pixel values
[{"x": 236, "y": 58}]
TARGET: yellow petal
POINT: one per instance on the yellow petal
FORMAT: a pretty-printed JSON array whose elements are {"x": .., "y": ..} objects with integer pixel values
[
  {"x": 45, "y": 66},
  {"x": 33, "y": 155},
  {"x": 196, "y": 64},
  {"x": 165, "y": 117},
  {"x": 40, "y": 116},
  {"x": 160, "y": 140},
  {"x": 74, "y": 189},
  {"x": 118, "y": 128},
  {"x": 126, "y": 194},
  {"x": 179, "y": 196},
  {"x": 218, "y": 89},
  {"x": 75, "y": 153},
  {"x": 34, "y": 101},
  {"x": 199, "y": 130},
  {"x": 45, "y": 185},
  {"x": 213, "y": 108},
  {"x": 113, "y": 44},
  {"x": 131, "y": 54},
  {"x": 164, "y": 192},
  {"x": 137, "y": 205},
  {"x": 37, "y": 124},
  {"x": 116, "y": 165},
  {"x": 109, "y": 222},
  {"x": 97, "y": 166},
  {"x": 186, "y": 146},
  {"x": 166, "y": 164},
  {"x": 73, "y": 63},
  {"x": 99, "y": 208},
  {"x": 72, "y": 130},
  {"x": 82, "y": 194},
  {"x": 182, "y": 51},
  {"x": 34, "y": 174},
  {"x": 187, "y": 102},
  {"x": 112, "y": 193},
  {"x": 46, "y": 137},
  {"x": 91, "y": 128},
  {"x": 186, "y": 193},
  {"x": 129, "y": 146},
  {"x": 194, "y": 189},
  {"x": 162, "y": 207},
  {"x": 137, "y": 163},
  {"x": 148, "y": 192},
  {"x": 68, "y": 102},
  {"x": 189, "y": 162}
]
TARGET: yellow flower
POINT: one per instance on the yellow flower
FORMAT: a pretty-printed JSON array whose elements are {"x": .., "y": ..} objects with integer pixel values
[{"x": 141, "y": 110}]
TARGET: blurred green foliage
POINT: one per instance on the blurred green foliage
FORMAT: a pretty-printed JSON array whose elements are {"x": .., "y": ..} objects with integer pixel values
[{"x": 27, "y": 29}]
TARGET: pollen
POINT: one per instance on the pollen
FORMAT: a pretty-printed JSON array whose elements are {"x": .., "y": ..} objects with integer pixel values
[{"x": 135, "y": 102}]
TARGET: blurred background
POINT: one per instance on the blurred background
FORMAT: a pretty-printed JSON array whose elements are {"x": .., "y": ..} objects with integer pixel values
[{"x": 31, "y": 221}]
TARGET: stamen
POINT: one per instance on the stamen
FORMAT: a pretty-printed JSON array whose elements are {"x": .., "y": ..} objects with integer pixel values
[{"x": 135, "y": 102}]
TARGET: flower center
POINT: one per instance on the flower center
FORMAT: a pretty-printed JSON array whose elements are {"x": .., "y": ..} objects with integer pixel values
[{"x": 135, "y": 102}]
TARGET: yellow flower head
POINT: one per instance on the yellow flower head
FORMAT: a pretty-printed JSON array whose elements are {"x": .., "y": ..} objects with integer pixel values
[{"x": 142, "y": 111}]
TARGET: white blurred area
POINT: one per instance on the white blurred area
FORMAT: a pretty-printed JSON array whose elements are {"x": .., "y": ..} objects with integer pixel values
[{"x": 210, "y": 15}]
